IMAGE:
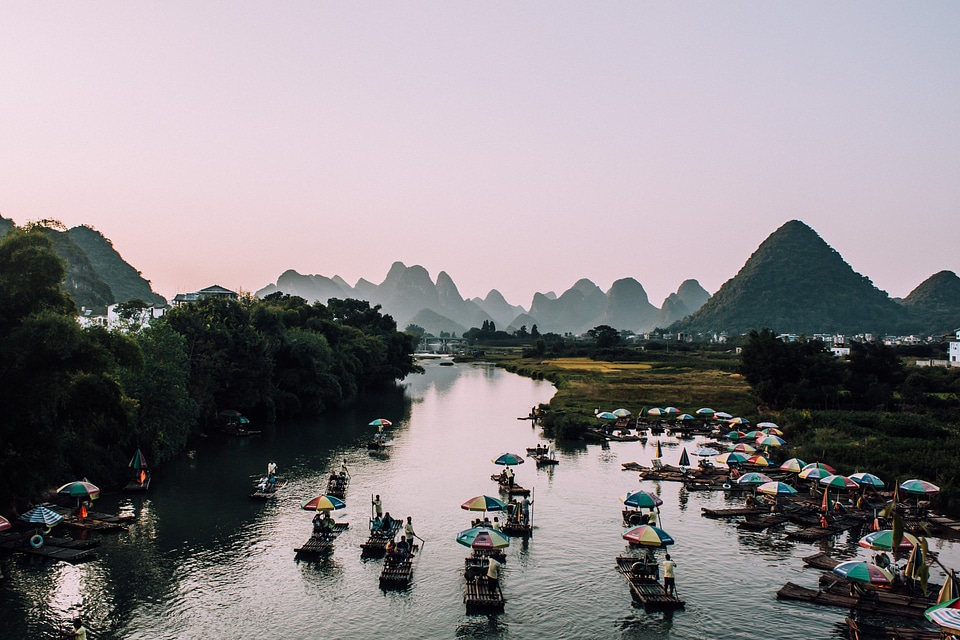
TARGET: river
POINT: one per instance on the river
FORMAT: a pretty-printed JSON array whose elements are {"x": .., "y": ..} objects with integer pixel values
[{"x": 203, "y": 560}]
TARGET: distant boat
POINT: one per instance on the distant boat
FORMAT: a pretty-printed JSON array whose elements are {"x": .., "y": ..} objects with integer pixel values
[{"x": 141, "y": 476}]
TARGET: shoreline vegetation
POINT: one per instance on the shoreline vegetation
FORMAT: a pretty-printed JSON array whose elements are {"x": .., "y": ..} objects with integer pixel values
[{"x": 916, "y": 436}]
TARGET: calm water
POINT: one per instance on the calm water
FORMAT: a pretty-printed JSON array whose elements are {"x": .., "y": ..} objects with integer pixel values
[{"x": 205, "y": 561}]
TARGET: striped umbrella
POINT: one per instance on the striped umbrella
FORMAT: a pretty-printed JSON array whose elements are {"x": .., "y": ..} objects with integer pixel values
[
  {"x": 80, "y": 489},
  {"x": 41, "y": 515},
  {"x": 606, "y": 415},
  {"x": 752, "y": 435},
  {"x": 138, "y": 462},
  {"x": 706, "y": 452},
  {"x": 705, "y": 412},
  {"x": 793, "y": 465},
  {"x": 738, "y": 421},
  {"x": 622, "y": 413},
  {"x": 919, "y": 487},
  {"x": 508, "y": 459},
  {"x": 864, "y": 573},
  {"x": 723, "y": 415},
  {"x": 733, "y": 457},
  {"x": 735, "y": 435},
  {"x": 945, "y": 615},
  {"x": 671, "y": 411},
  {"x": 742, "y": 447},
  {"x": 4, "y": 524},
  {"x": 641, "y": 500},
  {"x": 656, "y": 413},
  {"x": 777, "y": 489},
  {"x": 324, "y": 503},
  {"x": 754, "y": 479},
  {"x": 814, "y": 474},
  {"x": 867, "y": 480},
  {"x": 484, "y": 503},
  {"x": 767, "y": 425},
  {"x": 380, "y": 422},
  {"x": 760, "y": 460},
  {"x": 483, "y": 538},
  {"x": 771, "y": 441},
  {"x": 772, "y": 431},
  {"x": 820, "y": 465},
  {"x": 684, "y": 459},
  {"x": 839, "y": 482},
  {"x": 883, "y": 541},
  {"x": 647, "y": 535},
  {"x": 685, "y": 417}
]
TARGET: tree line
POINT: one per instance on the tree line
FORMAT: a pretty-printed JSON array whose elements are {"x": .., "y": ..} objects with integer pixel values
[{"x": 80, "y": 400}]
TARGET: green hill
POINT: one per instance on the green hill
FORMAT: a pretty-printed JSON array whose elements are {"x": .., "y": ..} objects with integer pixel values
[
  {"x": 126, "y": 282},
  {"x": 935, "y": 303},
  {"x": 795, "y": 282}
]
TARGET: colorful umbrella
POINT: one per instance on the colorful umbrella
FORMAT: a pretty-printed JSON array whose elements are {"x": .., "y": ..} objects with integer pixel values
[
  {"x": 706, "y": 452},
  {"x": 685, "y": 417},
  {"x": 768, "y": 425},
  {"x": 760, "y": 461},
  {"x": 508, "y": 459},
  {"x": 820, "y": 465},
  {"x": 4, "y": 524},
  {"x": 753, "y": 478},
  {"x": 814, "y": 474},
  {"x": 863, "y": 572},
  {"x": 622, "y": 413},
  {"x": 380, "y": 422},
  {"x": 735, "y": 435},
  {"x": 945, "y": 615},
  {"x": 41, "y": 515},
  {"x": 772, "y": 431},
  {"x": 483, "y": 538},
  {"x": 776, "y": 489},
  {"x": 138, "y": 462},
  {"x": 79, "y": 489},
  {"x": 742, "y": 447},
  {"x": 838, "y": 482},
  {"x": 738, "y": 421},
  {"x": 641, "y": 500},
  {"x": 771, "y": 441},
  {"x": 706, "y": 412},
  {"x": 647, "y": 535},
  {"x": 684, "y": 459},
  {"x": 606, "y": 415},
  {"x": 794, "y": 465},
  {"x": 867, "y": 480},
  {"x": 883, "y": 541},
  {"x": 484, "y": 503},
  {"x": 671, "y": 411},
  {"x": 919, "y": 487},
  {"x": 656, "y": 413},
  {"x": 324, "y": 503},
  {"x": 723, "y": 415},
  {"x": 734, "y": 457}
]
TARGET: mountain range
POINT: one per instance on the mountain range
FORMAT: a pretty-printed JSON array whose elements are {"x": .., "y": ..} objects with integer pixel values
[{"x": 793, "y": 283}]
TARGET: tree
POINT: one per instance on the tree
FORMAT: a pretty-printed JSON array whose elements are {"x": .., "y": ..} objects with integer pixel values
[{"x": 604, "y": 336}]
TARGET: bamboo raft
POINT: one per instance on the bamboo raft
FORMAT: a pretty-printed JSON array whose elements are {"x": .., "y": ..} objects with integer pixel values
[
  {"x": 269, "y": 492},
  {"x": 645, "y": 588},
  {"x": 860, "y": 631},
  {"x": 397, "y": 574},
  {"x": 65, "y": 549},
  {"x": 481, "y": 595},
  {"x": 761, "y": 523},
  {"x": 821, "y": 561},
  {"x": 337, "y": 486},
  {"x": 136, "y": 485},
  {"x": 515, "y": 490},
  {"x": 544, "y": 461},
  {"x": 320, "y": 544},
  {"x": 376, "y": 544},
  {"x": 95, "y": 521},
  {"x": 870, "y": 602},
  {"x": 517, "y": 529},
  {"x": 731, "y": 513},
  {"x": 812, "y": 534}
]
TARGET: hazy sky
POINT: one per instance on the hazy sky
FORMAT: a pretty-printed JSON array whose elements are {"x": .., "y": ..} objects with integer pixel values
[{"x": 515, "y": 145}]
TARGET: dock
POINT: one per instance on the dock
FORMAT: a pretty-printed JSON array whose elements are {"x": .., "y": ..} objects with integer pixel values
[
  {"x": 396, "y": 574},
  {"x": 320, "y": 544},
  {"x": 376, "y": 544},
  {"x": 55, "y": 548},
  {"x": 481, "y": 595},
  {"x": 645, "y": 587}
]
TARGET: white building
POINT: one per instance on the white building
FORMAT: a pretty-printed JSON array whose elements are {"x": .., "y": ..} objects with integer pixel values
[{"x": 955, "y": 350}]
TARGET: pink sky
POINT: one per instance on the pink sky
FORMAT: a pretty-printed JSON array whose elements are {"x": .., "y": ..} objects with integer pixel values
[{"x": 516, "y": 146}]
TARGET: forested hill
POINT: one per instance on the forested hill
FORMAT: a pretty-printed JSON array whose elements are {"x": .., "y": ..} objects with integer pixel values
[
  {"x": 97, "y": 275},
  {"x": 795, "y": 282}
]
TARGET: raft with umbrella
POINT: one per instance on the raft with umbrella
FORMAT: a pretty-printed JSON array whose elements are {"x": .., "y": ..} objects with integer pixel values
[
  {"x": 508, "y": 460},
  {"x": 141, "y": 473},
  {"x": 481, "y": 594},
  {"x": 321, "y": 542}
]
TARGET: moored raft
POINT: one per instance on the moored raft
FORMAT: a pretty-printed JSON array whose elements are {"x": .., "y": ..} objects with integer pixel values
[
  {"x": 645, "y": 587},
  {"x": 268, "y": 492},
  {"x": 337, "y": 485},
  {"x": 65, "y": 549},
  {"x": 517, "y": 529},
  {"x": 94, "y": 520},
  {"x": 870, "y": 602},
  {"x": 821, "y": 561},
  {"x": 731, "y": 513},
  {"x": 322, "y": 544}
]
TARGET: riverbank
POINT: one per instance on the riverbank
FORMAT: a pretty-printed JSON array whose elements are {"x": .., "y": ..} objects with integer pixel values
[{"x": 893, "y": 445}]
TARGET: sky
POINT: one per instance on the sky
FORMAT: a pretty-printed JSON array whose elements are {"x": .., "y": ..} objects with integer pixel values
[{"x": 517, "y": 146}]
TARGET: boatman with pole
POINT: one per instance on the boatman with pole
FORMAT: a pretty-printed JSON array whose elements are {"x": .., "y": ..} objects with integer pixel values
[{"x": 669, "y": 583}]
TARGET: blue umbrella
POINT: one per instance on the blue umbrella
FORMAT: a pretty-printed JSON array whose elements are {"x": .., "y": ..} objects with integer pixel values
[
  {"x": 706, "y": 451},
  {"x": 508, "y": 459},
  {"x": 642, "y": 500},
  {"x": 606, "y": 415},
  {"x": 42, "y": 515},
  {"x": 867, "y": 480}
]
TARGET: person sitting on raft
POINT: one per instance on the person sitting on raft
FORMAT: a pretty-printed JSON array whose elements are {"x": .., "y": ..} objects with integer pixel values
[
  {"x": 387, "y": 523},
  {"x": 403, "y": 548}
]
